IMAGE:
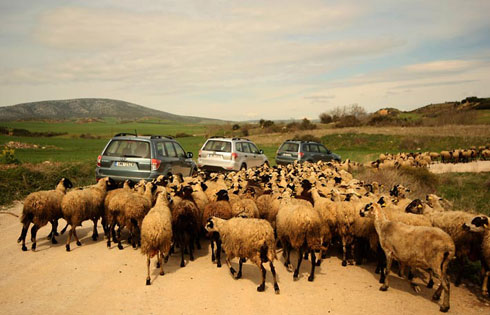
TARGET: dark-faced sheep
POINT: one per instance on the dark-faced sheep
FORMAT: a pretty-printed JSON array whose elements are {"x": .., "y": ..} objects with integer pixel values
[{"x": 247, "y": 239}]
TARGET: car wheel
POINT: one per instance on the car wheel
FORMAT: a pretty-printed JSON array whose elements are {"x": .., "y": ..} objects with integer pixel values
[
  {"x": 243, "y": 167},
  {"x": 193, "y": 172},
  {"x": 266, "y": 163}
]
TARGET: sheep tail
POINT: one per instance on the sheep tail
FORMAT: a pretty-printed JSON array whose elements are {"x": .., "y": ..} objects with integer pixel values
[
  {"x": 64, "y": 229},
  {"x": 264, "y": 249},
  {"x": 26, "y": 217},
  {"x": 444, "y": 260}
]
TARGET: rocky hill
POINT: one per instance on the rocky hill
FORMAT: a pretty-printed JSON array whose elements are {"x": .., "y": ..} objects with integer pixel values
[{"x": 90, "y": 108}]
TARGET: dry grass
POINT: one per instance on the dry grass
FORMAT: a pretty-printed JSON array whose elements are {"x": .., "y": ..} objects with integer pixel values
[{"x": 480, "y": 131}]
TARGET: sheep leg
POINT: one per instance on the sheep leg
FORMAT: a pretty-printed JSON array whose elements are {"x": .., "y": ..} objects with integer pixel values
[
  {"x": 95, "y": 233},
  {"x": 191, "y": 247},
  {"x": 273, "y": 271},
  {"x": 213, "y": 257},
  {"x": 198, "y": 243},
  {"x": 240, "y": 265},
  {"x": 386, "y": 284},
  {"x": 148, "y": 282},
  {"x": 34, "y": 229},
  {"x": 54, "y": 225},
  {"x": 68, "y": 240},
  {"x": 232, "y": 270},
  {"x": 446, "y": 287},
  {"x": 352, "y": 253},
  {"x": 306, "y": 256},
  {"x": 324, "y": 252},
  {"x": 344, "y": 251},
  {"x": 461, "y": 262},
  {"x": 182, "y": 247},
  {"x": 261, "y": 287},
  {"x": 23, "y": 234},
  {"x": 380, "y": 268},
  {"x": 218, "y": 252},
  {"x": 300, "y": 258},
  {"x": 111, "y": 230},
  {"x": 76, "y": 237},
  {"x": 484, "y": 288},
  {"x": 313, "y": 264},
  {"x": 430, "y": 284},
  {"x": 160, "y": 261}
]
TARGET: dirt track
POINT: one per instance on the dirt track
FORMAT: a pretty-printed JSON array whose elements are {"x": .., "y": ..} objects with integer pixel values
[
  {"x": 472, "y": 167},
  {"x": 94, "y": 279}
]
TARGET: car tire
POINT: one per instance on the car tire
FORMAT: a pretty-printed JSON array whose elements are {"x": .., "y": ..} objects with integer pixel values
[{"x": 243, "y": 166}]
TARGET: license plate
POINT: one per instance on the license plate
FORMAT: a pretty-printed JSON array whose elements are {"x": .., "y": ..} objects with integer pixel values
[
  {"x": 125, "y": 164},
  {"x": 287, "y": 154},
  {"x": 216, "y": 156}
]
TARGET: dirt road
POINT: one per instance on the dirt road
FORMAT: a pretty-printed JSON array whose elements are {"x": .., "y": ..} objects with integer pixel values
[
  {"x": 472, "y": 167},
  {"x": 93, "y": 279}
]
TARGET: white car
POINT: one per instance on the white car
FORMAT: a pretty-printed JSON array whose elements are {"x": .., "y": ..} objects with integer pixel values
[{"x": 230, "y": 154}]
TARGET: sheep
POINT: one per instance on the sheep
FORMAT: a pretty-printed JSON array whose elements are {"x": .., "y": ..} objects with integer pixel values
[
  {"x": 221, "y": 209},
  {"x": 247, "y": 238},
  {"x": 480, "y": 224},
  {"x": 40, "y": 208},
  {"x": 156, "y": 233},
  {"x": 107, "y": 219},
  {"x": 299, "y": 227},
  {"x": 85, "y": 204},
  {"x": 186, "y": 223},
  {"x": 128, "y": 209},
  {"x": 446, "y": 156},
  {"x": 417, "y": 246},
  {"x": 467, "y": 244},
  {"x": 246, "y": 208}
]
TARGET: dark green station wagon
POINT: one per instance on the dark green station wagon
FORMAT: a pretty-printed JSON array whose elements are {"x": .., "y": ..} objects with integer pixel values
[{"x": 129, "y": 156}]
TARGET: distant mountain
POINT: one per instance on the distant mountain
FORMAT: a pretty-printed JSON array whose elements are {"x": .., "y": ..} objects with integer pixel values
[{"x": 90, "y": 108}]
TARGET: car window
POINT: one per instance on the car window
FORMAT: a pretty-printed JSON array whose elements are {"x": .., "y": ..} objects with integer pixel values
[
  {"x": 246, "y": 148},
  {"x": 170, "y": 149},
  {"x": 161, "y": 149},
  {"x": 289, "y": 147},
  {"x": 313, "y": 148},
  {"x": 180, "y": 151},
  {"x": 253, "y": 148},
  {"x": 128, "y": 148},
  {"x": 238, "y": 147},
  {"x": 322, "y": 149},
  {"x": 306, "y": 148},
  {"x": 217, "y": 145}
]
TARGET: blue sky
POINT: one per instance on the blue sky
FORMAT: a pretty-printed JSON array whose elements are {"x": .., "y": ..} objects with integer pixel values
[{"x": 246, "y": 59}]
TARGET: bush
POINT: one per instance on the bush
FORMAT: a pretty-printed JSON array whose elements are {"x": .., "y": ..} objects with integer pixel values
[
  {"x": 325, "y": 118},
  {"x": 348, "y": 121},
  {"x": 307, "y": 137},
  {"x": 8, "y": 157},
  {"x": 235, "y": 127},
  {"x": 306, "y": 125},
  {"x": 182, "y": 135}
]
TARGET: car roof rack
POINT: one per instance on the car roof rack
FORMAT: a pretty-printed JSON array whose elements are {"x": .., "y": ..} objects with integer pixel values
[
  {"x": 123, "y": 134},
  {"x": 161, "y": 137}
]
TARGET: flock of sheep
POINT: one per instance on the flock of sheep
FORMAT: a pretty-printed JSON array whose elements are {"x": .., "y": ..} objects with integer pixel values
[
  {"x": 424, "y": 159},
  {"x": 248, "y": 214}
]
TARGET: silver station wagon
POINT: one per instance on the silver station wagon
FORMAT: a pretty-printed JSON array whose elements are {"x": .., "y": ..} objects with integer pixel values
[{"x": 230, "y": 154}]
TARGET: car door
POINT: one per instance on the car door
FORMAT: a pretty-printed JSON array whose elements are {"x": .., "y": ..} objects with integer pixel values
[
  {"x": 324, "y": 153},
  {"x": 172, "y": 158},
  {"x": 314, "y": 152},
  {"x": 257, "y": 158},
  {"x": 247, "y": 154},
  {"x": 185, "y": 164}
]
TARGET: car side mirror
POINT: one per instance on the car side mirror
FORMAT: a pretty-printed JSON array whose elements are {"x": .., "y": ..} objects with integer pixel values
[
  {"x": 261, "y": 151},
  {"x": 189, "y": 155}
]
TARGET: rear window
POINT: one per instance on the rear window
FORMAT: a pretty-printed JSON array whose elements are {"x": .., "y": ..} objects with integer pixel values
[
  {"x": 128, "y": 148},
  {"x": 218, "y": 146},
  {"x": 289, "y": 147}
]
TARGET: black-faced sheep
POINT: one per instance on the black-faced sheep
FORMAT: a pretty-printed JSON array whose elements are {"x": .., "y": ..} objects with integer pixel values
[
  {"x": 40, "y": 208},
  {"x": 221, "y": 209},
  {"x": 247, "y": 239},
  {"x": 85, "y": 204}
]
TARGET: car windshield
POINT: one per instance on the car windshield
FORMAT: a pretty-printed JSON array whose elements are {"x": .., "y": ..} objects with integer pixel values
[
  {"x": 128, "y": 148},
  {"x": 289, "y": 147},
  {"x": 218, "y": 146}
]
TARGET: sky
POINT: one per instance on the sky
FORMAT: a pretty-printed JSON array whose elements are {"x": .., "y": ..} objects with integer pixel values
[{"x": 243, "y": 60}]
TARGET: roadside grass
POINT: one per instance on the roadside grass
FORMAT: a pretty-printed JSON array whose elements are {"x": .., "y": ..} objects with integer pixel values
[
  {"x": 467, "y": 191},
  {"x": 19, "y": 181}
]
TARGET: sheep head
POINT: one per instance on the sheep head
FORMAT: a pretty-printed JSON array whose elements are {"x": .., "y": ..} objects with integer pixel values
[
  {"x": 478, "y": 224},
  {"x": 415, "y": 207}
]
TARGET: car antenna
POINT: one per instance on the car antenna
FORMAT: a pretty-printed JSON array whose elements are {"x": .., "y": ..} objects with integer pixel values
[{"x": 136, "y": 133}]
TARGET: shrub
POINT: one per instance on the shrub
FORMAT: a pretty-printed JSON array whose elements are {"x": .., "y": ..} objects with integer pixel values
[
  {"x": 182, "y": 135},
  {"x": 306, "y": 125},
  {"x": 235, "y": 127},
  {"x": 325, "y": 118},
  {"x": 307, "y": 137}
]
